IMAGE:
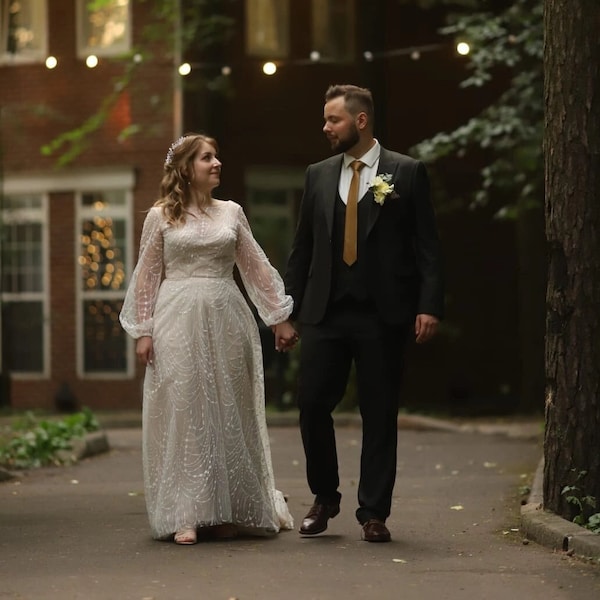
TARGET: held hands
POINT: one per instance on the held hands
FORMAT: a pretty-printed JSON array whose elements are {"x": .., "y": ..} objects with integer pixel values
[
  {"x": 144, "y": 350},
  {"x": 285, "y": 336},
  {"x": 425, "y": 328}
]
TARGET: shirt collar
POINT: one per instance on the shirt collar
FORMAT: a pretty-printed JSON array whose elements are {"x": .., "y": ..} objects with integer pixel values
[{"x": 369, "y": 158}]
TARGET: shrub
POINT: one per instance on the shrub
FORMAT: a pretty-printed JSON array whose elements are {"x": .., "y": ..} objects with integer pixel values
[{"x": 31, "y": 443}]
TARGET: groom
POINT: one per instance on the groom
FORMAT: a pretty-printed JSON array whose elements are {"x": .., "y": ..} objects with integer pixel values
[{"x": 364, "y": 273}]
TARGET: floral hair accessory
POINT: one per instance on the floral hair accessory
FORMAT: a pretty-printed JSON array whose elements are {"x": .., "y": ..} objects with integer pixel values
[
  {"x": 381, "y": 188},
  {"x": 171, "y": 150}
]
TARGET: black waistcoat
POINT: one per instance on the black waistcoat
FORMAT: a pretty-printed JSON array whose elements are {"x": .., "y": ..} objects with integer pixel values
[{"x": 349, "y": 281}]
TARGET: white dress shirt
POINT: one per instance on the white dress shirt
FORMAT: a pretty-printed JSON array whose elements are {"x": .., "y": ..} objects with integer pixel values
[{"x": 367, "y": 173}]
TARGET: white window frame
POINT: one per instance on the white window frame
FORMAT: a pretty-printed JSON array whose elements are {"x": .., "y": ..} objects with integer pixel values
[
  {"x": 40, "y": 25},
  {"x": 82, "y": 213},
  {"x": 36, "y": 215},
  {"x": 84, "y": 49}
]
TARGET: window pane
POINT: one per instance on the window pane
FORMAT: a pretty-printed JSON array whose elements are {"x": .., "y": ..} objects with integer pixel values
[
  {"x": 22, "y": 202},
  {"x": 23, "y": 24},
  {"x": 271, "y": 233},
  {"x": 271, "y": 222},
  {"x": 333, "y": 28},
  {"x": 102, "y": 257},
  {"x": 104, "y": 339},
  {"x": 267, "y": 28},
  {"x": 103, "y": 200},
  {"x": 22, "y": 258},
  {"x": 103, "y": 222},
  {"x": 105, "y": 25},
  {"x": 23, "y": 336}
]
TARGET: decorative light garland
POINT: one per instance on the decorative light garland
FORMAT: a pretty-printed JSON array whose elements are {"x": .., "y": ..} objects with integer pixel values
[{"x": 270, "y": 67}]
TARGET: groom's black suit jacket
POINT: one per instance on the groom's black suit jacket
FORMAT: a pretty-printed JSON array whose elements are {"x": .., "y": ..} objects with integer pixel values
[{"x": 403, "y": 263}]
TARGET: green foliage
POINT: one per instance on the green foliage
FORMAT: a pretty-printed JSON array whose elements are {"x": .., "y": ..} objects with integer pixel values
[
  {"x": 575, "y": 495},
  {"x": 200, "y": 25},
  {"x": 509, "y": 45},
  {"x": 31, "y": 443},
  {"x": 76, "y": 140}
]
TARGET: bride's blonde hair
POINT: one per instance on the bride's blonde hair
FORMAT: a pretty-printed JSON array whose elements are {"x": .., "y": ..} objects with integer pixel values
[{"x": 174, "y": 187}]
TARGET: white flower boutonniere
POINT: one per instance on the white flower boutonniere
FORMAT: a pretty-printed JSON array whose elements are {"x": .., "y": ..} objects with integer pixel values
[{"x": 381, "y": 187}]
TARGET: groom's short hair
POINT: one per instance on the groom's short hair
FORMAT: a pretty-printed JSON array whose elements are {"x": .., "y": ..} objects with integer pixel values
[{"x": 356, "y": 99}]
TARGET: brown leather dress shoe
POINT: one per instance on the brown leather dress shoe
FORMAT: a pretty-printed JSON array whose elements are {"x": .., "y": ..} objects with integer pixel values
[
  {"x": 375, "y": 530},
  {"x": 317, "y": 517}
]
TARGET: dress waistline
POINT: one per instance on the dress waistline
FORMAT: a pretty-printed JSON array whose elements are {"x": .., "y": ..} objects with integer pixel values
[{"x": 183, "y": 277}]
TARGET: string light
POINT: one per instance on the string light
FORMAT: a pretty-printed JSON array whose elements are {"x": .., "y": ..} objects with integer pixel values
[
  {"x": 185, "y": 69},
  {"x": 463, "y": 48},
  {"x": 315, "y": 57},
  {"x": 269, "y": 68}
]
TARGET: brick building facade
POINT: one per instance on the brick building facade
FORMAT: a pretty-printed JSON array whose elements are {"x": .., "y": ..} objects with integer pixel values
[{"x": 70, "y": 233}]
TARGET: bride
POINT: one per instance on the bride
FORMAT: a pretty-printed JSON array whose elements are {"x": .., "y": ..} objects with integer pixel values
[{"x": 206, "y": 456}]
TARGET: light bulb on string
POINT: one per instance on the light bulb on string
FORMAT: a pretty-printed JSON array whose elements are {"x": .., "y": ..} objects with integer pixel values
[
  {"x": 269, "y": 68},
  {"x": 185, "y": 69},
  {"x": 463, "y": 48},
  {"x": 91, "y": 61},
  {"x": 51, "y": 62}
]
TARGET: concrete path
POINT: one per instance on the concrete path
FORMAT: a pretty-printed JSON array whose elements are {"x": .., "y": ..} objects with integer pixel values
[{"x": 80, "y": 532}]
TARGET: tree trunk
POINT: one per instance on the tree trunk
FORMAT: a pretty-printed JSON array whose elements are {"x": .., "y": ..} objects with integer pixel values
[{"x": 572, "y": 179}]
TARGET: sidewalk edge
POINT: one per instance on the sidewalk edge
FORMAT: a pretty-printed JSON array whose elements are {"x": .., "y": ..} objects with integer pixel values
[{"x": 550, "y": 530}]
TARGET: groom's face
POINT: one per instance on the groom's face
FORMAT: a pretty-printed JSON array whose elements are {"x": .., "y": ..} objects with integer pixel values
[{"x": 340, "y": 126}]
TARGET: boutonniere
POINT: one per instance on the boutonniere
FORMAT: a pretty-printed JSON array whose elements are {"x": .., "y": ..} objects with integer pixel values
[{"x": 381, "y": 188}]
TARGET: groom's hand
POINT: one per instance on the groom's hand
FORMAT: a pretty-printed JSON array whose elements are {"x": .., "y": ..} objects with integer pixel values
[{"x": 425, "y": 328}]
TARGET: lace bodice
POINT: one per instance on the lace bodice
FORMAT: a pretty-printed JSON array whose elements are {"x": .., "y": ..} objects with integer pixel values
[{"x": 206, "y": 246}]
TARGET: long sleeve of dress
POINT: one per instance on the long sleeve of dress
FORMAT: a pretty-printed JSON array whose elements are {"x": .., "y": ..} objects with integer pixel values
[
  {"x": 263, "y": 283},
  {"x": 138, "y": 307}
]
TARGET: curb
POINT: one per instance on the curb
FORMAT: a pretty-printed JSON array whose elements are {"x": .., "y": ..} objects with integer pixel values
[
  {"x": 529, "y": 430},
  {"x": 6, "y": 475},
  {"x": 550, "y": 530},
  {"x": 92, "y": 444}
]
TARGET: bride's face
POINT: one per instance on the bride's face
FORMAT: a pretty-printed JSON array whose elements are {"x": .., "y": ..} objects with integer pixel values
[{"x": 206, "y": 168}]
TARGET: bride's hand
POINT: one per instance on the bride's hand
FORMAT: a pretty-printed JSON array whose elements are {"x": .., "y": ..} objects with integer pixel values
[
  {"x": 144, "y": 350},
  {"x": 285, "y": 336}
]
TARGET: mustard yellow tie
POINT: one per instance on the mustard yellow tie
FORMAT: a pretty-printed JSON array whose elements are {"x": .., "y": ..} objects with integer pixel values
[{"x": 350, "y": 225}]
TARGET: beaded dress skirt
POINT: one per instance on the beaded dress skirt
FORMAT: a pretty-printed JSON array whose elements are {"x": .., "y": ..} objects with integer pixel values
[{"x": 206, "y": 450}]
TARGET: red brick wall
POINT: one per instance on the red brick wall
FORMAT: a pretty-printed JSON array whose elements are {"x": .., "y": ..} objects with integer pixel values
[{"x": 38, "y": 104}]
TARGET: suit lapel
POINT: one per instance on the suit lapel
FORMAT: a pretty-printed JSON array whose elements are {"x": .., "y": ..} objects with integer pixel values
[
  {"x": 330, "y": 191},
  {"x": 386, "y": 165}
]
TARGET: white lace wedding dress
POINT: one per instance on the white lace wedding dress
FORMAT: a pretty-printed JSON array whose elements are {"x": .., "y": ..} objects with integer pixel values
[{"x": 206, "y": 450}]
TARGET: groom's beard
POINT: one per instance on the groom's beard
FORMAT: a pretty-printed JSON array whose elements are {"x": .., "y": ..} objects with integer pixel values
[{"x": 340, "y": 145}]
